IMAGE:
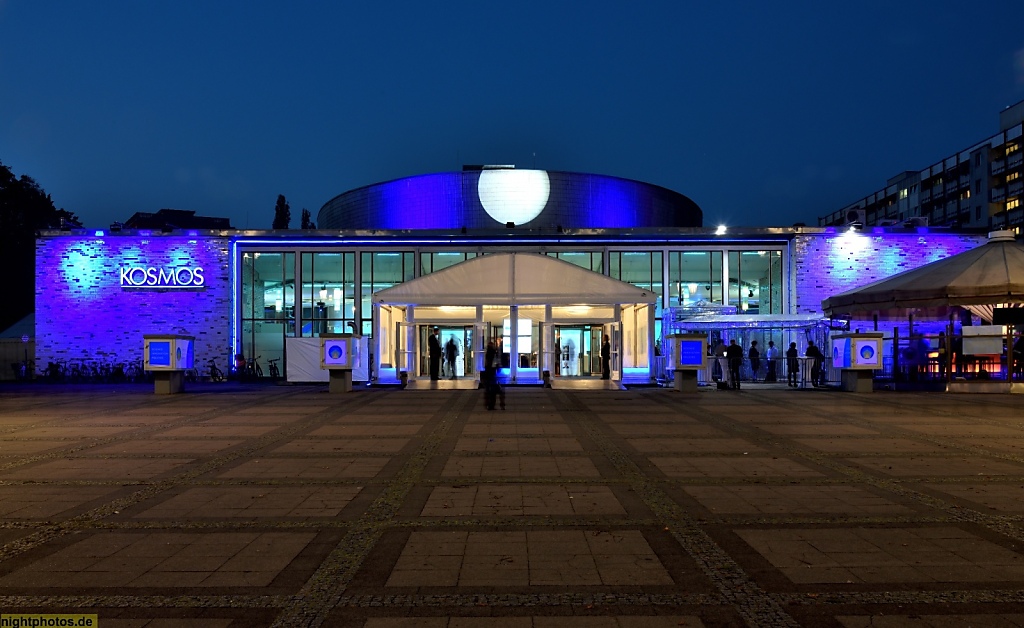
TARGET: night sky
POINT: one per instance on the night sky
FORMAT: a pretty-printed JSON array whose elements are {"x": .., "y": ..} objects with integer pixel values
[{"x": 764, "y": 113}]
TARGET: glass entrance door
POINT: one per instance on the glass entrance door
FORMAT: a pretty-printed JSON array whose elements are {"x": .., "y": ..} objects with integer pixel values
[
  {"x": 578, "y": 349},
  {"x": 456, "y": 344}
]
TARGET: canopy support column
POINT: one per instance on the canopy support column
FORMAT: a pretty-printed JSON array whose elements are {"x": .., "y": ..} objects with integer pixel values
[
  {"x": 513, "y": 337},
  {"x": 548, "y": 343}
]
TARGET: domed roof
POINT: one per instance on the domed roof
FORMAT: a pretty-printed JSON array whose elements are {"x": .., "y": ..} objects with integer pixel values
[{"x": 493, "y": 197}]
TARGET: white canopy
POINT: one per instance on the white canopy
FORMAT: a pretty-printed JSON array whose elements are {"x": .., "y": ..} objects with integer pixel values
[
  {"x": 991, "y": 273},
  {"x": 514, "y": 279}
]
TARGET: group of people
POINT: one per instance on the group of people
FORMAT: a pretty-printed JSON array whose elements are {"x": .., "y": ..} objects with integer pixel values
[{"x": 733, "y": 354}]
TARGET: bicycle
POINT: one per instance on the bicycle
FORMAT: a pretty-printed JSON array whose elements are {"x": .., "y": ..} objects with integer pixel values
[
  {"x": 275, "y": 373},
  {"x": 216, "y": 375},
  {"x": 252, "y": 368}
]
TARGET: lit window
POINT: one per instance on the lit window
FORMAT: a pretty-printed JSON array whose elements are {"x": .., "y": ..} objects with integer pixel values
[
  {"x": 903, "y": 194},
  {"x": 1012, "y": 204},
  {"x": 1012, "y": 148},
  {"x": 1013, "y": 176}
]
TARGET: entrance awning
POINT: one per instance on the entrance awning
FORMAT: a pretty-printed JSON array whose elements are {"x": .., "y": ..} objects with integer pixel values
[{"x": 514, "y": 279}]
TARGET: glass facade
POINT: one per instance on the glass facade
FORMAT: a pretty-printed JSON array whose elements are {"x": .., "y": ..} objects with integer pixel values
[{"x": 334, "y": 290}]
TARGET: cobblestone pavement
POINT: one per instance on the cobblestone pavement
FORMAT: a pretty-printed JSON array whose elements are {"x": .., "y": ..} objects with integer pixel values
[{"x": 388, "y": 508}]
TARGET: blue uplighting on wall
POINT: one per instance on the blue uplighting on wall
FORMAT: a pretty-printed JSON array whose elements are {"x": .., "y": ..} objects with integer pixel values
[{"x": 86, "y": 310}]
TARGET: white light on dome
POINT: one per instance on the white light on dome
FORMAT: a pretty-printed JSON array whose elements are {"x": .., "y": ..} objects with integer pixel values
[{"x": 516, "y": 196}]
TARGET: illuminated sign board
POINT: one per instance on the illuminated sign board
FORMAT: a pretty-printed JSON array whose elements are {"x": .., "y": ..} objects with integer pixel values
[
  {"x": 143, "y": 277},
  {"x": 692, "y": 352},
  {"x": 335, "y": 352},
  {"x": 857, "y": 351}
]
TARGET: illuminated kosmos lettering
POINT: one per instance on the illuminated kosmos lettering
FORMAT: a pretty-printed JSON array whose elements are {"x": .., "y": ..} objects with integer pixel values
[{"x": 152, "y": 277}]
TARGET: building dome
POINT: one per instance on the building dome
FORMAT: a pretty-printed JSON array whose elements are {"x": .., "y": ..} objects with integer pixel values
[{"x": 491, "y": 197}]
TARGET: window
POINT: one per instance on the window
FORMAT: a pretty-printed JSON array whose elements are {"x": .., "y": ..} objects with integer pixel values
[
  {"x": 379, "y": 271},
  {"x": 591, "y": 260},
  {"x": 328, "y": 293},
  {"x": 694, "y": 276},
  {"x": 433, "y": 262},
  {"x": 977, "y": 213},
  {"x": 642, "y": 269},
  {"x": 977, "y": 186},
  {"x": 903, "y": 194},
  {"x": 1013, "y": 203},
  {"x": 755, "y": 281},
  {"x": 1013, "y": 176},
  {"x": 268, "y": 303},
  {"x": 1012, "y": 148}
]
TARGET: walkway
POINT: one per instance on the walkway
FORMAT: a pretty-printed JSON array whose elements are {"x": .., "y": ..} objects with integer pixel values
[{"x": 393, "y": 508}]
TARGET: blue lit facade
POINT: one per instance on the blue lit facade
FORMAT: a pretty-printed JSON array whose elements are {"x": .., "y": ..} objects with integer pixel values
[
  {"x": 246, "y": 292},
  {"x": 452, "y": 200}
]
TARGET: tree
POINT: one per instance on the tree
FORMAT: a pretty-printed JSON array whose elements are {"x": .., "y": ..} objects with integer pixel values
[
  {"x": 282, "y": 213},
  {"x": 24, "y": 210},
  {"x": 306, "y": 222}
]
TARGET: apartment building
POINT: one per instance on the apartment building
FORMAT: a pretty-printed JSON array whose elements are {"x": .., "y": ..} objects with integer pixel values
[{"x": 981, "y": 186}]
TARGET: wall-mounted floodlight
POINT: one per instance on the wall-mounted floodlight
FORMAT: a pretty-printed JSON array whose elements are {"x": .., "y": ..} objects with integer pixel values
[{"x": 720, "y": 230}]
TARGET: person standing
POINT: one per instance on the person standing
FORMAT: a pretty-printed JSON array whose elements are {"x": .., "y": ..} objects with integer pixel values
[
  {"x": 792, "y": 365},
  {"x": 755, "y": 360},
  {"x": 606, "y": 358},
  {"x": 492, "y": 388},
  {"x": 434, "y": 352},
  {"x": 771, "y": 354},
  {"x": 734, "y": 354},
  {"x": 558, "y": 355},
  {"x": 816, "y": 362},
  {"x": 451, "y": 350}
]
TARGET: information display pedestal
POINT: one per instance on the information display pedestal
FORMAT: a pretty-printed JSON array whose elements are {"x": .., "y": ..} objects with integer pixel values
[
  {"x": 167, "y": 357},
  {"x": 857, "y": 380},
  {"x": 687, "y": 355},
  {"x": 168, "y": 382},
  {"x": 340, "y": 381},
  {"x": 857, "y": 356},
  {"x": 686, "y": 380},
  {"x": 338, "y": 354}
]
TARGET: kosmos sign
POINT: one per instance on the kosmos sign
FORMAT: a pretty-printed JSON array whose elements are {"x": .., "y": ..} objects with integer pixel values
[{"x": 142, "y": 277}]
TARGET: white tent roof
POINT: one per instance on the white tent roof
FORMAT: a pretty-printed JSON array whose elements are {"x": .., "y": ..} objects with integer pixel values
[{"x": 514, "y": 279}]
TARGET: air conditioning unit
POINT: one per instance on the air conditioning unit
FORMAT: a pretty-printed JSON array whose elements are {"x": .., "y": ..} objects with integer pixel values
[
  {"x": 916, "y": 221},
  {"x": 855, "y": 216}
]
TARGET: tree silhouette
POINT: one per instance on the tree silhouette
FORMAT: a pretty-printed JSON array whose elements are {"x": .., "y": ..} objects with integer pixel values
[
  {"x": 306, "y": 222},
  {"x": 25, "y": 209},
  {"x": 282, "y": 213}
]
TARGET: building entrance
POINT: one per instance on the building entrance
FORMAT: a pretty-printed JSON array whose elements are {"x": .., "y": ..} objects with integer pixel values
[
  {"x": 578, "y": 350},
  {"x": 456, "y": 343}
]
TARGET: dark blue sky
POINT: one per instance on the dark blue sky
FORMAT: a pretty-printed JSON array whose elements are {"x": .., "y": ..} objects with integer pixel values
[{"x": 764, "y": 113}]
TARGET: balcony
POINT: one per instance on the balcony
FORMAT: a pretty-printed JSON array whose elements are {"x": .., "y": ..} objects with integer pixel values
[
  {"x": 1015, "y": 188},
  {"x": 1015, "y": 160},
  {"x": 998, "y": 166},
  {"x": 998, "y": 195}
]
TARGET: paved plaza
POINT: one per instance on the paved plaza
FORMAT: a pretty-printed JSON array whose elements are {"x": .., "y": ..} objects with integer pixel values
[{"x": 418, "y": 508}]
